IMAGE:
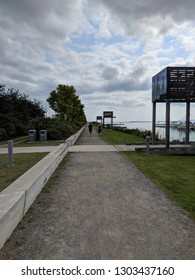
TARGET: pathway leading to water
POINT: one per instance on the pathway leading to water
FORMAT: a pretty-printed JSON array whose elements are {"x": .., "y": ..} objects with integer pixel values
[{"x": 102, "y": 207}]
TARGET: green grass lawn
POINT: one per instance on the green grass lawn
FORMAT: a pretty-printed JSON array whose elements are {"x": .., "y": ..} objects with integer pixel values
[
  {"x": 22, "y": 162},
  {"x": 173, "y": 174},
  {"x": 118, "y": 138}
]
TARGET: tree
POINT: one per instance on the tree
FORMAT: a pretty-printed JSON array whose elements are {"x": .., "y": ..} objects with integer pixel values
[
  {"x": 16, "y": 110},
  {"x": 67, "y": 104},
  {"x": 19, "y": 105}
]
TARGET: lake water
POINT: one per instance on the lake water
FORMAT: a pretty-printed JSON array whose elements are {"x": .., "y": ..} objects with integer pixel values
[{"x": 175, "y": 134}]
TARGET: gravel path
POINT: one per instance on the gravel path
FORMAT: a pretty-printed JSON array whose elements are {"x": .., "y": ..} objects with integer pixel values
[{"x": 101, "y": 207}]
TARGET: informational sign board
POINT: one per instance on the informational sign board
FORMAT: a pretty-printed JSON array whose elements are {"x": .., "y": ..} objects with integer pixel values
[
  {"x": 176, "y": 84},
  {"x": 108, "y": 114},
  {"x": 159, "y": 85}
]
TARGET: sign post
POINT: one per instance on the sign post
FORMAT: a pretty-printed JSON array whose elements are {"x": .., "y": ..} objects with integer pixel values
[
  {"x": 10, "y": 153},
  {"x": 99, "y": 118},
  {"x": 109, "y": 115}
]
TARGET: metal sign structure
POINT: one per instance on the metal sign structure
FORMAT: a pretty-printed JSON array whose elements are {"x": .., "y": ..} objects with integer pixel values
[
  {"x": 109, "y": 115},
  {"x": 99, "y": 118},
  {"x": 173, "y": 84}
]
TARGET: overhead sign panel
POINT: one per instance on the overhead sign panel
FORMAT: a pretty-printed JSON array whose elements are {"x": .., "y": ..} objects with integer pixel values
[
  {"x": 159, "y": 85},
  {"x": 108, "y": 114},
  {"x": 175, "y": 84}
]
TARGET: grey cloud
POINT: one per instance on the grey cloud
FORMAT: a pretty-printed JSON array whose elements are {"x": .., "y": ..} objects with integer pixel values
[
  {"x": 43, "y": 21},
  {"x": 140, "y": 9},
  {"x": 109, "y": 78},
  {"x": 148, "y": 17},
  {"x": 138, "y": 71},
  {"x": 28, "y": 11},
  {"x": 134, "y": 101},
  {"x": 27, "y": 30},
  {"x": 135, "y": 79},
  {"x": 110, "y": 73},
  {"x": 130, "y": 104},
  {"x": 127, "y": 85},
  {"x": 40, "y": 39}
]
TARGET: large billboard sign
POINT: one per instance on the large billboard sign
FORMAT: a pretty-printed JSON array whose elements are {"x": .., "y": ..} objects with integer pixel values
[
  {"x": 159, "y": 85},
  {"x": 174, "y": 83},
  {"x": 108, "y": 114}
]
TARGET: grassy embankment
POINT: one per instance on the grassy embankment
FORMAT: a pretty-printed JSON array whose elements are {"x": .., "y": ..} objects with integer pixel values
[
  {"x": 174, "y": 174},
  {"x": 23, "y": 162},
  {"x": 24, "y": 142},
  {"x": 116, "y": 137}
]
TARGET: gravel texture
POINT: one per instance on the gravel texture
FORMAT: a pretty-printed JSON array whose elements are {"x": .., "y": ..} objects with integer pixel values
[{"x": 101, "y": 207}]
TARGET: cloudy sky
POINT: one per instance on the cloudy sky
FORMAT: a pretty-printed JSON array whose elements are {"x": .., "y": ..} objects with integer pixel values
[{"x": 108, "y": 49}]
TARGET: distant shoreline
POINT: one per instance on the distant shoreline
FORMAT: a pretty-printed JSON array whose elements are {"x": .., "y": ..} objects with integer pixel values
[{"x": 137, "y": 121}]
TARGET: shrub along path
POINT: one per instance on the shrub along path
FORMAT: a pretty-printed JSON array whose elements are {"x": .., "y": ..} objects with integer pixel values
[{"x": 99, "y": 206}]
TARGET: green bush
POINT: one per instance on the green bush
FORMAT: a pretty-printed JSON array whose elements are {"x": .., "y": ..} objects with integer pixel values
[
  {"x": 136, "y": 132},
  {"x": 57, "y": 129},
  {"x": 54, "y": 134},
  {"x": 3, "y": 134}
]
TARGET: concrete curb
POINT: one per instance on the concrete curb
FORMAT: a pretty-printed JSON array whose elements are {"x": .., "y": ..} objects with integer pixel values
[{"x": 17, "y": 198}]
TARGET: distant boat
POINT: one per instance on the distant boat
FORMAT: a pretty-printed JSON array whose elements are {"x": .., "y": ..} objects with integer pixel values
[
  {"x": 175, "y": 123},
  {"x": 172, "y": 124},
  {"x": 182, "y": 126}
]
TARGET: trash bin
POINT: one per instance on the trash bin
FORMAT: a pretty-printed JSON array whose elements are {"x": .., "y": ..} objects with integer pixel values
[
  {"x": 43, "y": 135},
  {"x": 32, "y": 135}
]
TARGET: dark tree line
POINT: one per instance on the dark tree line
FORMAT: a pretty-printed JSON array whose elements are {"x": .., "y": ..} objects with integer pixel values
[{"x": 18, "y": 113}]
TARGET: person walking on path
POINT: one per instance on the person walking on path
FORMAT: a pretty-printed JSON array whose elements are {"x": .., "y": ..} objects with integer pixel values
[
  {"x": 90, "y": 126},
  {"x": 99, "y": 130}
]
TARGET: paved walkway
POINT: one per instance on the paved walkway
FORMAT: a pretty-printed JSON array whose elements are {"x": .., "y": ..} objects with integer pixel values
[
  {"x": 31, "y": 149},
  {"x": 101, "y": 207},
  {"x": 85, "y": 148}
]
